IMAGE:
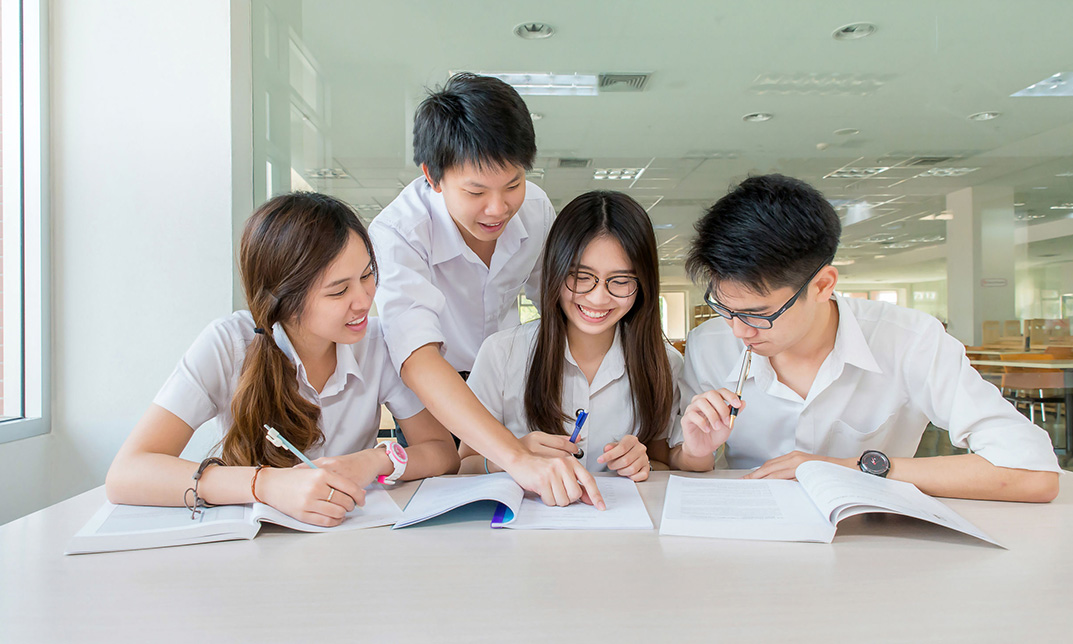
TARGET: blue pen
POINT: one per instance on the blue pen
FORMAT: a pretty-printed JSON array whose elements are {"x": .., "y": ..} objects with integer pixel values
[
  {"x": 277, "y": 439},
  {"x": 581, "y": 416}
]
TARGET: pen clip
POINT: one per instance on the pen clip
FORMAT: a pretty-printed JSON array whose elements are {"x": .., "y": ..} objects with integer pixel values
[{"x": 272, "y": 434}]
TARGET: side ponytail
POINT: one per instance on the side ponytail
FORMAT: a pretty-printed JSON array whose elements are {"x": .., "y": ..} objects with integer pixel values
[{"x": 286, "y": 246}]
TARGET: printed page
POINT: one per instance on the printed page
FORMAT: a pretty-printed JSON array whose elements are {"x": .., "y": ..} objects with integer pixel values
[
  {"x": 625, "y": 511},
  {"x": 379, "y": 509},
  {"x": 765, "y": 510},
  {"x": 134, "y": 527},
  {"x": 445, "y": 493},
  {"x": 840, "y": 492}
]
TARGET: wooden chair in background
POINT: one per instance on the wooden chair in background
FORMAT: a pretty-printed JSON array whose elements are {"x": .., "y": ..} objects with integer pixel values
[
  {"x": 1032, "y": 386},
  {"x": 1011, "y": 327}
]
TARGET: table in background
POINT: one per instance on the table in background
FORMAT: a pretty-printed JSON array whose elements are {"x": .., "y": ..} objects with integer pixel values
[
  {"x": 888, "y": 577},
  {"x": 1066, "y": 366}
]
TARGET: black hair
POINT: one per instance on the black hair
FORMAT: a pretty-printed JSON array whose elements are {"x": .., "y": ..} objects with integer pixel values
[
  {"x": 587, "y": 217},
  {"x": 473, "y": 119},
  {"x": 767, "y": 233}
]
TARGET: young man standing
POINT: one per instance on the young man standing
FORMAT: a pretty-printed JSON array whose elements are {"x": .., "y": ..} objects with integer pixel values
[
  {"x": 454, "y": 249},
  {"x": 850, "y": 381}
]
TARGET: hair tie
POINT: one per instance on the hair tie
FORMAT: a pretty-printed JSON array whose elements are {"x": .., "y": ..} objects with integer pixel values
[{"x": 259, "y": 330}]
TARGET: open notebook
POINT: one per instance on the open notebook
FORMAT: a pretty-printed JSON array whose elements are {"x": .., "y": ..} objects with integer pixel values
[
  {"x": 134, "y": 527},
  {"x": 808, "y": 509},
  {"x": 436, "y": 496}
]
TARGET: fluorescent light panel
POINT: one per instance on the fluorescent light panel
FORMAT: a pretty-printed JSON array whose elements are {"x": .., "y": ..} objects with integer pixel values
[
  {"x": 1058, "y": 84},
  {"x": 540, "y": 84}
]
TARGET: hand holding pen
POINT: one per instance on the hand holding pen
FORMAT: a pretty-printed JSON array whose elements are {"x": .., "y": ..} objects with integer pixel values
[
  {"x": 349, "y": 493},
  {"x": 709, "y": 417}
]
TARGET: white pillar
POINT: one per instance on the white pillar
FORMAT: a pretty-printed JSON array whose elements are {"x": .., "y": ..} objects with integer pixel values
[{"x": 980, "y": 260}]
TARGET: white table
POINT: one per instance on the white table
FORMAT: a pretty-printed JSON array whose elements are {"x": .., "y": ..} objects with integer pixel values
[{"x": 884, "y": 578}]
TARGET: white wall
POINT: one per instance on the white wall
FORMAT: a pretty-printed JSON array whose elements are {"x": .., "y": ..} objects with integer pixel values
[{"x": 141, "y": 223}]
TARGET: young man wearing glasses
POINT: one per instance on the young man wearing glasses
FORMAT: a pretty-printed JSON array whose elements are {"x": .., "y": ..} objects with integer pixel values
[{"x": 850, "y": 381}]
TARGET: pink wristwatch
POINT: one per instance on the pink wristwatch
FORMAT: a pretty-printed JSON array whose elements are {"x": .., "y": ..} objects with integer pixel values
[{"x": 398, "y": 457}]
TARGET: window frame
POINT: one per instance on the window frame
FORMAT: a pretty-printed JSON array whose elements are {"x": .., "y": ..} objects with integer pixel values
[{"x": 26, "y": 195}]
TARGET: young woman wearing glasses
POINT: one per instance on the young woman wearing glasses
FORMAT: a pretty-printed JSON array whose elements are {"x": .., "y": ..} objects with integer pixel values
[{"x": 598, "y": 350}]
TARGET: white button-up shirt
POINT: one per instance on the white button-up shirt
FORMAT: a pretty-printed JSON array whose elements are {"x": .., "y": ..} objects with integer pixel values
[
  {"x": 891, "y": 371},
  {"x": 502, "y": 368},
  {"x": 201, "y": 387},
  {"x": 434, "y": 289}
]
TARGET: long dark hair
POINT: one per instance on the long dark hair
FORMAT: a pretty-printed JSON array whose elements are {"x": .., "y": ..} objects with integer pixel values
[
  {"x": 587, "y": 217},
  {"x": 286, "y": 246}
]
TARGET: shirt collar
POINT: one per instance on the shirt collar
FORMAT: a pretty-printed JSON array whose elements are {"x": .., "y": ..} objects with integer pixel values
[
  {"x": 851, "y": 347},
  {"x": 346, "y": 362}
]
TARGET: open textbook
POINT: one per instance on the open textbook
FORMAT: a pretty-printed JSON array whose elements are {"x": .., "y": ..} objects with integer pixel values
[
  {"x": 436, "y": 496},
  {"x": 808, "y": 509},
  {"x": 134, "y": 527}
]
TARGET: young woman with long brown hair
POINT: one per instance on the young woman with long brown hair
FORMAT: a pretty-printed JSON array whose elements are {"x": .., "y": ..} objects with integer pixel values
[
  {"x": 598, "y": 348},
  {"x": 307, "y": 360}
]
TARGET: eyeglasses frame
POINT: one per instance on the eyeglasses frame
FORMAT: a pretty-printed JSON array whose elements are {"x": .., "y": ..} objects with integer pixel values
[
  {"x": 730, "y": 315},
  {"x": 636, "y": 284}
]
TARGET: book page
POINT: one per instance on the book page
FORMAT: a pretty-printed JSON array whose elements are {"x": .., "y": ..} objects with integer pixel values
[
  {"x": 625, "y": 511},
  {"x": 445, "y": 493},
  {"x": 767, "y": 510},
  {"x": 134, "y": 527},
  {"x": 840, "y": 492},
  {"x": 144, "y": 518},
  {"x": 379, "y": 509}
]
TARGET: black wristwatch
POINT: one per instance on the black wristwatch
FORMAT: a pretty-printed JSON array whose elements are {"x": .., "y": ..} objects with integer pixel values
[{"x": 874, "y": 462}]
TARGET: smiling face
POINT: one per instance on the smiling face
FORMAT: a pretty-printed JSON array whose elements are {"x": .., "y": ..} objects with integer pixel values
[
  {"x": 597, "y": 312},
  {"x": 337, "y": 307},
  {"x": 481, "y": 200}
]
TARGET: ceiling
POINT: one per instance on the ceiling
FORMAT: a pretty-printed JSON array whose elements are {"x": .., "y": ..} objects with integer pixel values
[{"x": 905, "y": 93}]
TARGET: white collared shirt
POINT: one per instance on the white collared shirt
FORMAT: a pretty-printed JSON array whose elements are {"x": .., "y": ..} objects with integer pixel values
[
  {"x": 502, "y": 367},
  {"x": 891, "y": 371},
  {"x": 201, "y": 387},
  {"x": 434, "y": 289}
]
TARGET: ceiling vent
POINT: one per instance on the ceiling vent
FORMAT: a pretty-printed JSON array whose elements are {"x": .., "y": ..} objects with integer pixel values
[
  {"x": 568, "y": 162},
  {"x": 624, "y": 82}
]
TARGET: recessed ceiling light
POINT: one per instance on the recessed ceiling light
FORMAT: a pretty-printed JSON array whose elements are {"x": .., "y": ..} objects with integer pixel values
[
  {"x": 946, "y": 172},
  {"x": 878, "y": 239},
  {"x": 662, "y": 226},
  {"x": 1064, "y": 174},
  {"x": 897, "y": 245},
  {"x": 1039, "y": 187},
  {"x": 945, "y": 215},
  {"x": 984, "y": 116},
  {"x": 838, "y": 261},
  {"x": 534, "y": 30},
  {"x": 878, "y": 256},
  {"x": 536, "y": 116},
  {"x": 854, "y": 31},
  {"x": 1064, "y": 206},
  {"x": 1059, "y": 84},
  {"x": 548, "y": 84},
  {"x": 757, "y": 117},
  {"x": 621, "y": 174},
  {"x": 855, "y": 173},
  {"x": 847, "y": 131},
  {"x": 326, "y": 173},
  {"x": 1021, "y": 203},
  {"x": 368, "y": 207}
]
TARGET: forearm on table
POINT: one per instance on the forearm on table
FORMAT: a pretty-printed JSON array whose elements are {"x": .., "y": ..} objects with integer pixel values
[
  {"x": 971, "y": 476},
  {"x": 450, "y": 400},
  {"x": 430, "y": 458},
  {"x": 162, "y": 479},
  {"x": 680, "y": 459}
]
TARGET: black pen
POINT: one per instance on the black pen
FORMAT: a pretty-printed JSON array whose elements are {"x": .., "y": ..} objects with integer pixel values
[{"x": 741, "y": 383}]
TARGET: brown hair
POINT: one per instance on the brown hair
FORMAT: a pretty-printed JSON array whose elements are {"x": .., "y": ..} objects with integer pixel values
[
  {"x": 286, "y": 246},
  {"x": 587, "y": 217}
]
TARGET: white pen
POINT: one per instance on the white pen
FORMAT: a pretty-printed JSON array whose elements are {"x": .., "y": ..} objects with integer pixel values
[{"x": 277, "y": 439}]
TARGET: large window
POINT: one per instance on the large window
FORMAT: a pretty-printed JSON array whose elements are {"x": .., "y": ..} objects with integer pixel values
[{"x": 23, "y": 386}]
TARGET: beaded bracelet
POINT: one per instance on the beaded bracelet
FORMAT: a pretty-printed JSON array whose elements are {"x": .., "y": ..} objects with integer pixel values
[{"x": 197, "y": 503}]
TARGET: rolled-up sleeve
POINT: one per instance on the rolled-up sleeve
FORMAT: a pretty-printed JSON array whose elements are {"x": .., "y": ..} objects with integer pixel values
[
  {"x": 954, "y": 396},
  {"x": 407, "y": 301}
]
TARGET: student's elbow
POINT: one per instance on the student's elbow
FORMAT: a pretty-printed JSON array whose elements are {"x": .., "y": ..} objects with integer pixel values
[
  {"x": 1037, "y": 487},
  {"x": 115, "y": 487},
  {"x": 452, "y": 461}
]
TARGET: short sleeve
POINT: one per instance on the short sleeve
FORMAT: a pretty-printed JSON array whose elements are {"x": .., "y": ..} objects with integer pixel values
[
  {"x": 400, "y": 400},
  {"x": 532, "y": 283},
  {"x": 203, "y": 382},
  {"x": 486, "y": 379},
  {"x": 407, "y": 301},
  {"x": 689, "y": 385},
  {"x": 953, "y": 395}
]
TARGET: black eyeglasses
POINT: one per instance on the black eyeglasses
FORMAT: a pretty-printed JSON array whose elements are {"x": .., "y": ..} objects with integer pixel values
[
  {"x": 757, "y": 321},
  {"x": 582, "y": 282}
]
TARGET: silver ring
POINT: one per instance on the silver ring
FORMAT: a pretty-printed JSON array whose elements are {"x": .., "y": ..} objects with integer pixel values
[{"x": 330, "y": 494}]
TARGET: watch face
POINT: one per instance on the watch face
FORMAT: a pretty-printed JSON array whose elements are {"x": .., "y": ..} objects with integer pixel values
[
  {"x": 397, "y": 451},
  {"x": 875, "y": 462}
]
